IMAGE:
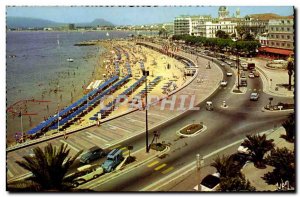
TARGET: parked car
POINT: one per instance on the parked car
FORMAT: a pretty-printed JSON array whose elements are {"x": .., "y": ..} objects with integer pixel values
[
  {"x": 254, "y": 96},
  {"x": 90, "y": 174},
  {"x": 222, "y": 64},
  {"x": 92, "y": 154},
  {"x": 243, "y": 81},
  {"x": 114, "y": 158},
  {"x": 251, "y": 75},
  {"x": 209, "y": 183},
  {"x": 223, "y": 83},
  {"x": 229, "y": 74},
  {"x": 243, "y": 74},
  {"x": 256, "y": 73}
]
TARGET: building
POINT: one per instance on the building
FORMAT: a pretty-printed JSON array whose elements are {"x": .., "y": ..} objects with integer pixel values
[
  {"x": 223, "y": 12},
  {"x": 280, "y": 41},
  {"x": 209, "y": 29},
  {"x": 184, "y": 25},
  {"x": 255, "y": 26}
]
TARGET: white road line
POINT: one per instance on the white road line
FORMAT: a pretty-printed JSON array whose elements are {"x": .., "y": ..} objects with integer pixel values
[
  {"x": 10, "y": 174},
  {"x": 113, "y": 127},
  {"x": 74, "y": 148},
  {"x": 182, "y": 171},
  {"x": 153, "y": 114},
  {"x": 133, "y": 120},
  {"x": 95, "y": 136}
]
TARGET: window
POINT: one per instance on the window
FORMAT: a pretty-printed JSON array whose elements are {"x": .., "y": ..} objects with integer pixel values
[
  {"x": 272, "y": 36},
  {"x": 282, "y": 28},
  {"x": 288, "y": 37},
  {"x": 277, "y": 44},
  {"x": 272, "y": 43},
  {"x": 288, "y": 29},
  {"x": 282, "y": 44},
  {"x": 288, "y": 21},
  {"x": 282, "y": 22},
  {"x": 288, "y": 45},
  {"x": 277, "y": 36},
  {"x": 282, "y": 36},
  {"x": 276, "y": 28}
]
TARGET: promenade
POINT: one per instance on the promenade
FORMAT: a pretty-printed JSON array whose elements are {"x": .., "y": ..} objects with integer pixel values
[{"x": 112, "y": 133}]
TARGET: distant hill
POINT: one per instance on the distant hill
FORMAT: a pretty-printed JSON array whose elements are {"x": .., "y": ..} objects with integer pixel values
[
  {"x": 96, "y": 22},
  {"x": 25, "y": 22},
  {"x": 268, "y": 16}
]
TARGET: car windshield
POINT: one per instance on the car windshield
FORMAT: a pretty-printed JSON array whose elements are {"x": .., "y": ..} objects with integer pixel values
[
  {"x": 254, "y": 94},
  {"x": 210, "y": 181},
  {"x": 86, "y": 155}
]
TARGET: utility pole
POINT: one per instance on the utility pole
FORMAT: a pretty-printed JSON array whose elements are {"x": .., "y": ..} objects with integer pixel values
[
  {"x": 146, "y": 73},
  {"x": 22, "y": 125},
  {"x": 200, "y": 164}
]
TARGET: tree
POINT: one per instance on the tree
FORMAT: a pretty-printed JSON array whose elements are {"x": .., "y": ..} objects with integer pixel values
[
  {"x": 225, "y": 166},
  {"x": 270, "y": 101},
  {"x": 284, "y": 162},
  {"x": 49, "y": 168},
  {"x": 258, "y": 145},
  {"x": 289, "y": 126},
  {"x": 248, "y": 37},
  {"x": 222, "y": 34},
  {"x": 163, "y": 32},
  {"x": 237, "y": 184},
  {"x": 290, "y": 68}
]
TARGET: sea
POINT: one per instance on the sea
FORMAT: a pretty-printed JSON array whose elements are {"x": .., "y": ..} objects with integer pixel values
[{"x": 36, "y": 65}]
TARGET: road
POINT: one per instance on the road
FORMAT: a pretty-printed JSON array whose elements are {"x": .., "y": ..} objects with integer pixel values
[{"x": 224, "y": 126}]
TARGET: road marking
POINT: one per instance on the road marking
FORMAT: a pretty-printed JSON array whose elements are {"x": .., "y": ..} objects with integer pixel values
[
  {"x": 115, "y": 146},
  {"x": 249, "y": 89},
  {"x": 95, "y": 136},
  {"x": 126, "y": 152},
  {"x": 114, "y": 127},
  {"x": 160, "y": 167},
  {"x": 74, "y": 148},
  {"x": 10, "y": 174},
  {"x": 153, "y": 163},
  {"x": 123, "y": 148},
  {"x": 168, "y": 170},
  {"x": 134, "y": 120}
]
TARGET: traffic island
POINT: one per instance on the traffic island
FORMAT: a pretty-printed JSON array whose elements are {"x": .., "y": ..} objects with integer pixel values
[
  {"x": 279, "y": 107},
  {"x": 241, "y": 90},
  {"x": 191, "y": 130},
  {"x": 158, "y": 146}
]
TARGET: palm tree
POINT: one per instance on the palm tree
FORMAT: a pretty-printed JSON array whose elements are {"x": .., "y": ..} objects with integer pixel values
[
  {"x": 289, "y": 126},
  {"x": 258, "y": 145},
  {"x": 49, "y": 168},
  {"x": 284, "y": 162},
  {"x": 225, "y": 166},
  {"x": 290, "y": 68},
  {"x": 235, "y": 184}
]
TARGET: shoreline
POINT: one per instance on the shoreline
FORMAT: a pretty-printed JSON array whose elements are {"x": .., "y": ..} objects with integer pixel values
[{"x": 40, "y": 110}]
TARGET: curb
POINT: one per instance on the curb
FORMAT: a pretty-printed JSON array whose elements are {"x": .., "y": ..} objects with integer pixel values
[
  {"x": 283, "y": 110},
  {"x": 204, "y": 128}
]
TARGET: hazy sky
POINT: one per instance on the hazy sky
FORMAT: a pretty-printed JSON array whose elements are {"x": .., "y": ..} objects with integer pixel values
[{"x": 133, "y": 15}]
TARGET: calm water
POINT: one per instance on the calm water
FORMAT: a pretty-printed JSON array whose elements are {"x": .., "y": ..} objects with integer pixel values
[{"x": 41, "y": 61}]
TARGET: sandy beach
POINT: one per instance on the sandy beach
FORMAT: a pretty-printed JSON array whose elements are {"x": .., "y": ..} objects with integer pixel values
[{"x": 170, "y": 71}]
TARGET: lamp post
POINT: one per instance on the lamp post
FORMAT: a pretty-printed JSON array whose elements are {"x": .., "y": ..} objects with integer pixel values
[
  {"x": 146, "y": 73},
  {"x": 22, "y": 125},
  {"x": 58, "y": 118},
  {"x": 237, "y": 63}
]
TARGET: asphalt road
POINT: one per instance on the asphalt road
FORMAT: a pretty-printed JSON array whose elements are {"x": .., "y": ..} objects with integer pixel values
[{"x": 224, "y": 126}]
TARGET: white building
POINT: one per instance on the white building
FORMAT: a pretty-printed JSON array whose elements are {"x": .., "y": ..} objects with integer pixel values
[
  {"x": 184, "y": 25},
  {"x": 209, "y": 29}
]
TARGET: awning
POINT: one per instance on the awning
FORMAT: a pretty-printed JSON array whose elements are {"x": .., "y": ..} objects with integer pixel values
[{"x": 276, "y": 51}]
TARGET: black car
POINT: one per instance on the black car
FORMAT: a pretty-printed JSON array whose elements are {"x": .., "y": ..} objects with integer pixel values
[{"x": 92, "y": 154}]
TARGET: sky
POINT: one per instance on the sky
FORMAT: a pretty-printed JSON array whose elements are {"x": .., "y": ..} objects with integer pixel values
[{"x": 133, "y": 15}]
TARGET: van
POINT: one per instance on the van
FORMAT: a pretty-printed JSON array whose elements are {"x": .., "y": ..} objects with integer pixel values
[
  {"x": 243, "y": 82},
  {"x": 114, "y": 158}
]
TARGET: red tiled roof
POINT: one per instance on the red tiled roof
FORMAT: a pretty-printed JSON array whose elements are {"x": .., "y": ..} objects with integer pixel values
[{"x": 276, "y": 50}]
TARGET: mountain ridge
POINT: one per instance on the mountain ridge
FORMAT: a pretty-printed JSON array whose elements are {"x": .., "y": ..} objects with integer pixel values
[{"x": 29, "y": 22}]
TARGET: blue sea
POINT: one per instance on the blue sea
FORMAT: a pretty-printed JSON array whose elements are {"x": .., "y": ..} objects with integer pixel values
[{"x": 37, "y": 61}]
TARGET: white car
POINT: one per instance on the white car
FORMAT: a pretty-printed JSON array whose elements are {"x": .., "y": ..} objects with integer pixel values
[
  {"x": 254, "y": 96},
  {"x": 229, "y": 74},
  {"x": 223, "y": 83},
  {"x": 251, "y": 75},
  {"x": 210, "y": 183}
]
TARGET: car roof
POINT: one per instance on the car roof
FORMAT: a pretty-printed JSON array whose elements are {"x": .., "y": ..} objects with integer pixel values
[
  {"x": 254, "y": 93},
  {"x": 95, "y": 148}
]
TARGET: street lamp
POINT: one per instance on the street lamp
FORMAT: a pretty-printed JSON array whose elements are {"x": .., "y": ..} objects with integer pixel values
[
  {"x": 237, "y": 63},
  {"x": 146, "y": 73}
]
